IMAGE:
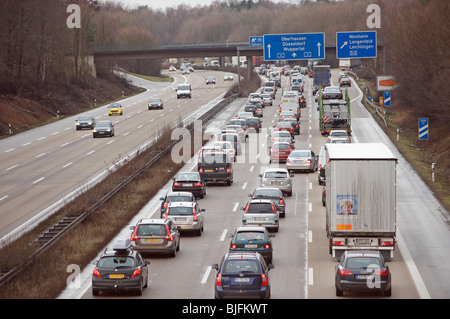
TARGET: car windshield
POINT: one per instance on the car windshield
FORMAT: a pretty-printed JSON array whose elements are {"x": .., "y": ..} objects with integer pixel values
[
  {"x": 114, "y": 105},
  {"x": 276, "y": 174},
  {"x": 180, "y": 210},
  {"x": 155, "y": 101},
  {"x": 102, "y": 124},
  {"x": 84, "y": 118},
  {"x": 345, "y": 134},
  {"x": 151, "y": 230},
  {"x": 362, "y": 262},
  {"x": 248, "y": 236},
  {"x": 183, "y": 87},
  {"x": 188, "y": 177},
  {"x": 240, "y": 266},
  {"x": 116, "y": 262},
  {"x": 218, "y": 158}
]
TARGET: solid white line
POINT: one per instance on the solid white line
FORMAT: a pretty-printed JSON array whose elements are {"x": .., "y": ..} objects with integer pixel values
[
  {"x": 206, "y": 275},
  {"x": 224, "y": 233},
  {"x": 418, "y": 281},
  {"x": 42, "y": 154},
  {"x": 93, "y": 151},
  {"x": 310, "y": 236},
  {"x": 235, "y": 206}
]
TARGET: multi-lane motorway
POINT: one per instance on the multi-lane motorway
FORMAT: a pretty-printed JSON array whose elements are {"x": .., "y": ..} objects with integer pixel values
[{"x": 41, "y": 167}]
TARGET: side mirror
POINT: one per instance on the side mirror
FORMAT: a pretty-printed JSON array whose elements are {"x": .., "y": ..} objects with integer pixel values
[
  {"x": 95, "y": 262},
  {"x": 132, "y": 227},
  {"x": 271, "y": 266},
  {"x": 202, "y": 210},
  {"x": 215, "y": 266}
]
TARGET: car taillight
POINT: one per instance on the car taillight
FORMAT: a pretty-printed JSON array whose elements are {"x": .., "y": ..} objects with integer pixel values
[
  {"x": 345, "y": 272},
  {"x": 233, "y": 246},
  {"x": 382, "y": 272},
  {"x": 96, "y": 273},
  {"x": 200, "y": 170},
  {"x": 387, "y": 243},
  {"x": 228, "y": 169},
  {"x": 136, "y": 273},
  {"x": 198, "y": 185},
  {"x": 134, "y": 236},
  {"x": 166, "y": 214},
  {"x": 176, "y": 184},
  {"x": 281, "y": 201},
  {"x": 274, "y": 209},
  {"x": 288, "y": 161},
  {"x": 169, "y": 236},
  {"x": 246, "y": 209},
  {"x": 308, "y": 161},
  {"x": 267, "y": 246},
  {"x": 195, "y": 217},
  {"x": 264, "y": 281},
  {"x": 219, "y": 280}
]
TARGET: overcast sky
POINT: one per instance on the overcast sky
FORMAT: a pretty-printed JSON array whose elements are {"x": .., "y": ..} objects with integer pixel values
[{"x": 162, "y": 4}]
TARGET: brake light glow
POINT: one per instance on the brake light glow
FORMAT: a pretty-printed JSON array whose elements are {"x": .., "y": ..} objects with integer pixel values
[
  {"x": 345, "y": 272},
  {"x": 195, "y": 217},
  {"x": 338, "y": 243},
  {"x": 267, "y": 246},
  {"x": 382, "y": 272},
  {"x": 176, "y": 184},
  {"x": 228, "y": 170},
  {"x": 198, "y": 185},
  {"x": 387, "y": 243},
  {"x": 134, "y": 237},
  {"x": 169, "y": 236},
  {"x": 96, "y": 273},
  {"x": 233, "y": 246},
  {"x": 200, "y": 170}
]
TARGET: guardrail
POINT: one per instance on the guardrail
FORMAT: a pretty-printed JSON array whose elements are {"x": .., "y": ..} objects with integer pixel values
[{"x": 48, "y": 238}]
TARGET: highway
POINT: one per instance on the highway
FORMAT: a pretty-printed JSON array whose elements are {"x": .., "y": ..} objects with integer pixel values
[
  {"x": 303, "y": 267},
  {"x": 43, "y": 168}
]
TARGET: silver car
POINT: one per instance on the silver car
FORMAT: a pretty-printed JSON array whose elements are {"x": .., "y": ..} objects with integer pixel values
[
  {"x": 155, "y": 236},
  {"x": 279, "y": 178},
  {"x": 186, "y": 216},
  {"x": 261, "y": 212},
  {"x": 302, "y": 160}
]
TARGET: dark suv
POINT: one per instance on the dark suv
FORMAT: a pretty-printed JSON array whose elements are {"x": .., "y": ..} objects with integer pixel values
[
  {"x": 242, "y": 275},
  {"x": 215, "y": 166},
  {"x": 253, "y": 123},
  {"x": 122, "y": 268}
]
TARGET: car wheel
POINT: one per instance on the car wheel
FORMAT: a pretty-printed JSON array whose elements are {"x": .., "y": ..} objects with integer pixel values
[
  {"x": 388, "y": 292},
  {"x": 95, "y": 292},
  {"x": 339, "y": 292},
  {"x": 174, "y": 252}
]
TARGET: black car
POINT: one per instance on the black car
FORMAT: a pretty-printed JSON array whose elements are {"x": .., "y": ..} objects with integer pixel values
[
  {"x": 242, "y": 275},
  {"x": 250, "y": 108},
  {"x": 216, "y": 166},
  {"x": 189, "y": 182},
  {"x": 155, "y": 103},
  {"x": 295, "y": 125},
  {"x": 332, "y": 92},
  {"x": 273, "y": 193},
  {"x": 362, "y": 270},
  {"x": 122, "y": 268},
  {"x": 345, "y": 81},
  {"x": 175, "y": 197},
  {"x": 103, "y": 128},
  {"x": 253, "y": 123},
  {"x": 85, "y": 121},
  {"x": 253, "y": 239}
]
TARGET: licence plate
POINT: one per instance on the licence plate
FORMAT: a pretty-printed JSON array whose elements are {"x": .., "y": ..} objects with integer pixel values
[
  {"x": 209, "y": 170},
  {"x": 180, "y": 219},
  {"x": 362, "y": 276},
  {"x": 362, "y": 241},
  {"x": 264, "y": 219},
  {"x": 151, "y": 240},
  {"x": 116, "y": 276},
  {"x": 187, "y": 184},
  {"x": 241, "y": 279},
  {"x": 250, "y": 246}
]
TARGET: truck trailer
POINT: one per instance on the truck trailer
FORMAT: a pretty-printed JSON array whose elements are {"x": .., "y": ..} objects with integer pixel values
[
  {"x": 334, "y": 114},
  {"x": 360, "y": 181}
]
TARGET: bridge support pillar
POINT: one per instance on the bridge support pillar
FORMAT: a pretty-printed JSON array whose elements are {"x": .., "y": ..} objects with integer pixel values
[{"x": 249, "y": 67}]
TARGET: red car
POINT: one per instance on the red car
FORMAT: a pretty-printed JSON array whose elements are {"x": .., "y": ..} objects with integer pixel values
[
  {"x": 285, "y": 126},
  {"x": 280, "y": 152}
]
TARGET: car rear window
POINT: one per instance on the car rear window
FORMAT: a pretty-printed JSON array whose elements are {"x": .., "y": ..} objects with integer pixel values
[
  {"x": 279, "y": 174},
  {"x": 211, "y": 158},
  {"x": 300, "y": 154},
  {"x": 116, "y": 261},
  {"x": 151, "y": 230},
  {"x": 180, "y": 211},
  {"x": 172, "y": 199},
  {"x": 187, "y": 177},
  {"x": 260, "y": 208},
  {"x": 247, "y": 236},
  {"x": 280, "y": 146},
  {"x": 363, "y": 262},
  {"x": 240, "y": 266}
]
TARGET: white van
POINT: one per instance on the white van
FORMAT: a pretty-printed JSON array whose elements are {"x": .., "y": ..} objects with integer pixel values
[{"x": 183, "y": 90}]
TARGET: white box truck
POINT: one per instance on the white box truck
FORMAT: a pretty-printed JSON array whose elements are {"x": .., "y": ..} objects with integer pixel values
[{"x": 360, "y": 198}]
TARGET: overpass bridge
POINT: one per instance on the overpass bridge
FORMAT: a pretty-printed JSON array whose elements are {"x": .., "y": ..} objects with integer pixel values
[{"x": 221, "y": 49}]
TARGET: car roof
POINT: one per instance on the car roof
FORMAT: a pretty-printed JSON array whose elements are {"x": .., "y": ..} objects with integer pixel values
[
  {"x": 251, "y": 228},
  {"x": 181, "y": 204},
  {"x": 242, "y": 255},
  {"x": 153, "y": 221},
  {"x": 359, "y": 253},
  {"x": 275, "y": 169},
  {"x": 170, "y": 194},
  {"x": 260, "y": 201}
]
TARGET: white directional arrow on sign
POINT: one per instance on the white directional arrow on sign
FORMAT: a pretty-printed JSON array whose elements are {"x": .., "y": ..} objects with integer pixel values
[
  {"x": 318, "y": 48},
  {"x": 294, "y": 55},
  {"x": 345, "y": 43},
  {"x": 269, "y": 46}
]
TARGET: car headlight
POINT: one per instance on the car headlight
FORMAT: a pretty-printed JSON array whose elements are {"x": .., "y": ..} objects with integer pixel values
[{"x": 95, "y": 131}]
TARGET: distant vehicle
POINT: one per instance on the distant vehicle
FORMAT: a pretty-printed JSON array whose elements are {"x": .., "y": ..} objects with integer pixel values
[
  {"x": 279, "y": 178},
  {"x": 332, "y": 92},
  {"x": 228, "y": 77},
  {"x": 242, "y": 275},
  {"x": 321, "y": 166},
  {"x": 103, "y": 128},
  {"x": 267, "y": 99},
  {"x": 285, "y": 126},
  {"x": 186, "y": 216},
  {"x": 122, "y": 268},
  {"x": 295, "y": 125},
  {"x": 155, "y": 103},
  {"x": 273, "y": 193},
  {"x": 253, "y": 239},
  {"x": 302, "y": 160},
  {"x": 280, "y": 152},
  {"x": 242, "y": 123},
  {"x": 216, "y": 166},
  {"x": 339, "y": 140},
  {"x": 183, "y": 90},
  {"x": 175, "y": 197},
  {"x": 234, "y": 139},
  {"x": 261, "y": 212},
  {"x": 228, "y": 148},
  {"x": 115, "y": 109},
  {"x": 210, "y": 80},
  {"x": 85, "y": 121},
  {"x": 358, "y": 268},
  {"x": 244, "y": 115},
  {"x": 279, "y": 134},
  {"x": 155, "y": 236},
  {"x": 215, "y": 63},
  {"x": 345, "y": 81},
  {"x": 338, "y": 133},
  {"x": 185, "y": 71},
  {"x": 253, "y": 123},
  {"x": 189, "y": 182},
  {"x": 269, "y": 90},
  {"x": 172, "y": 68}
]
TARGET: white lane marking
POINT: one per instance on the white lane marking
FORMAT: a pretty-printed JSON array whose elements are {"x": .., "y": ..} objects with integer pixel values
[
  {"x": 38, "y": 180},
  {"x": 4, "y": 197},
  {"x": 12, "y": 167},
  {"x": 206, "y": 275},
  {"x": 310, "y": 235},
  {"x": 224, "y": 233},
  {"x": 42, "y": 154},
  {"x": 311, "y": 276},
  {"x": 244, "y": 186},
  {"x": 67, "y": 165},
  {"x": 236, "y": 205}
]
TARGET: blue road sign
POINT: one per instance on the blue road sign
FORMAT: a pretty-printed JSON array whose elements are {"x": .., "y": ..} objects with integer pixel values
[
  {"x": 387, "y": 98},
  {"x": 297, "y": 46},
  {"x": 423, "y": 128},
  {"x": 357, "y": 44},
  {"x": 255, "y": 41}
]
